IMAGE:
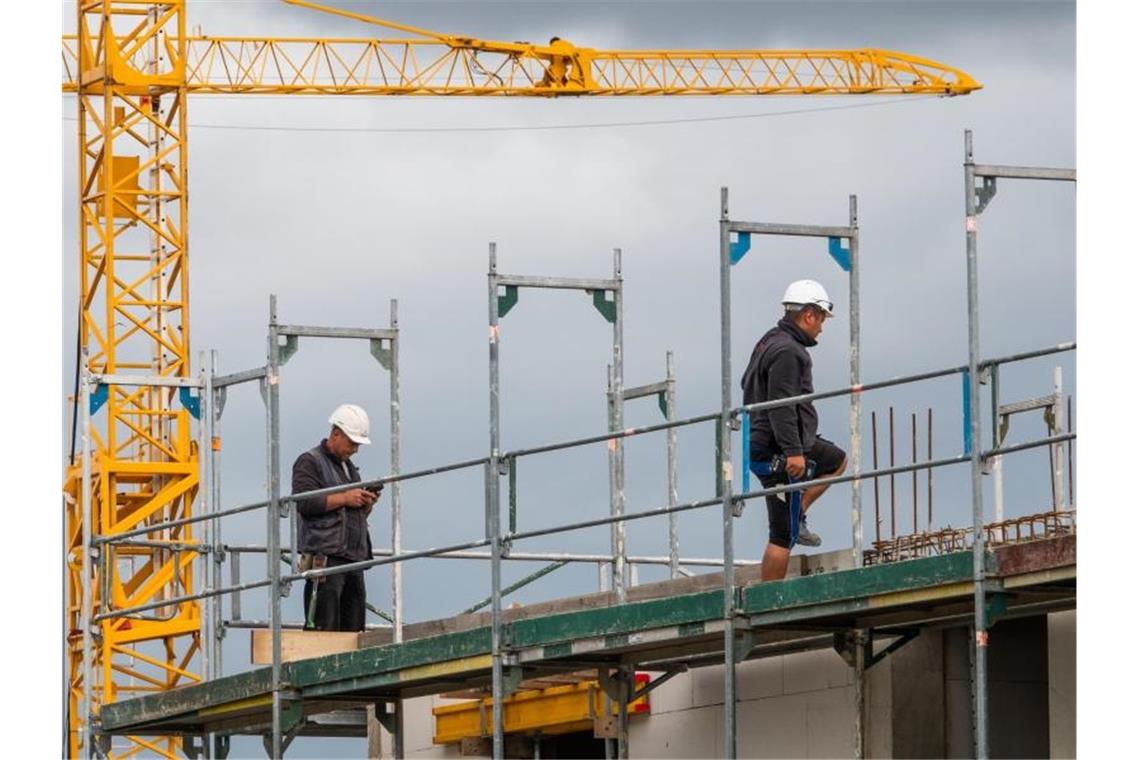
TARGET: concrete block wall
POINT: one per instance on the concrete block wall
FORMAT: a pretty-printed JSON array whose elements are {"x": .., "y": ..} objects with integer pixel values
[
  {"x": 802, "y": 705},
  {"x": 799, "y": 705}
]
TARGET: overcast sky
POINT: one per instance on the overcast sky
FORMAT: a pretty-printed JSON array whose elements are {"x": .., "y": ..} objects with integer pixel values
[{"x": 336, "y": 223}]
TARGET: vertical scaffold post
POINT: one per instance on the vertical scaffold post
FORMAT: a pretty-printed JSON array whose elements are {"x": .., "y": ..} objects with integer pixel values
[
  {"x": 211, "y": 416},
  {"x": 397, "y": 515},
  {"x": 855, "y": 460},
  {"x": 725, "y": 440},
  {"x": 492, "y": 512},
  {"x": 981, "y": 634},
  {"x": 206, "y": 565},
  {"x": 273, "y": 521},
  {"x": 671, "y": 462},
  {"x": 87, "y": 600},
  {"x": 618, "y": 503}
]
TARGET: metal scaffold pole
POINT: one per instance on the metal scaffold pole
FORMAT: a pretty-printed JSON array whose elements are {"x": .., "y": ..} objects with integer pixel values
[
  {"x": 981, "y": 634},
  {"x": 855, "y": 462},
  {"x": 215, "y": 401},
  {"x": 272, "y": 527},
  {"x": 397, "y": 506},
  {"x": 492, "y": 512},
  {"x": 671, "y": 462},
  {"x": 618, "y": 496},
  {"x": 725, "y": 481}
]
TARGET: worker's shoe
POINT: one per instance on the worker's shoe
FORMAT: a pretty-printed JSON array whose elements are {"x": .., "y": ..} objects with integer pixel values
[{"x": 806, "y": 537}]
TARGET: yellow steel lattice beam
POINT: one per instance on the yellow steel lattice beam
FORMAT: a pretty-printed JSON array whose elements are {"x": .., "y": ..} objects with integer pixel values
[{"x": 360, "y": 66}]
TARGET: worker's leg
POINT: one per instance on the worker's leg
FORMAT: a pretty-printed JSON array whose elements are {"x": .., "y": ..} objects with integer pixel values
[
  {"x": 775, "y": 564},
  {"x": 326, "y": 617},
  {"x": 830, "y": 461},
  {"x": 352, "y": 602}
]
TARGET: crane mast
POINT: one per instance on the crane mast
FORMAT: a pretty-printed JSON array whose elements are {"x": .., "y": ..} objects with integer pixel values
[{"x": 132, "y": 65}]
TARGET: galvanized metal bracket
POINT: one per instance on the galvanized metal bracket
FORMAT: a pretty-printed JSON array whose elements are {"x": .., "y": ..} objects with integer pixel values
[
  {"x": 841, "y": 255},
  {"x": 190, "y": 402},
  {"x": 984, "y": 194},
  {"x": 385, "y": 718},
  {"x": 286, "y": 350},
  {"x": 219, "y": 401},
  {"x": 845, "y": 644},
  {"x": 996, "y": 607},
  {"x": 379, "y": 353},
  {"x": 737, "y": 506},
  {"x": 508, "y": 301},
  {"x": 743, "y": 642},
  {"x": 512, "y": 677},
  {"x": 616, "y": 686},
  {"x": 608, "y": 309},
  {"x": 651, "y": 685},
  {"x": 292, "y": 721},
  {"x": 663, "y": 404},
  {"x": 737, "y": 248},
  {"x": 193, "y": 747},
  {"x": 871, "y": 657}
]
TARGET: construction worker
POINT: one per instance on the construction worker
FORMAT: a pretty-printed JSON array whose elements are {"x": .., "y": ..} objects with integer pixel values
[
  {"x": 334, "y": 528},
  {"x": 784, "y": 442}
]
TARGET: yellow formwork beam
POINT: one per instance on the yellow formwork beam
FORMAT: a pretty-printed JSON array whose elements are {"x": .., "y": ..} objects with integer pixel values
[{"x": 554, "y": 710}]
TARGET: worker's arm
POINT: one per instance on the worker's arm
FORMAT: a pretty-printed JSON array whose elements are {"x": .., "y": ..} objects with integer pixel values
[
  {"x": 306, "y": 477},
  {"x": 784, "y": 380}
]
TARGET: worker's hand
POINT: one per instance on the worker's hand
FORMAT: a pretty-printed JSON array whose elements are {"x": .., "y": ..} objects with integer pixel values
[
  {"x": 796, "y": 466},
  {"x": 357, "y": 498}
]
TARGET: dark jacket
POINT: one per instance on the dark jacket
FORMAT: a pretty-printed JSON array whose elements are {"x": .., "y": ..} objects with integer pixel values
[
  {"x": 781, "y": 367},
  {"x": 341, "y": 533}
]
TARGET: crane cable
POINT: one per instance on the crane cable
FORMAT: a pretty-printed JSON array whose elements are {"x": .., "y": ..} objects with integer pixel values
[{"x": 556, "y": 127}]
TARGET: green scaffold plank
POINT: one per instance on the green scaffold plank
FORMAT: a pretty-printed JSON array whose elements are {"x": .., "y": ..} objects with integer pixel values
[
  {"x": 187, "y": 699},
  {"x": 625, "y": 618},
  {"x": 375, "y": 661},
  {"x": 858, "y": 583}
]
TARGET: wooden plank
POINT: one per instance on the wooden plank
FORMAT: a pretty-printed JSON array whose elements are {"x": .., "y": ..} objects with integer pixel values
[{"x": 298, "y": 645}]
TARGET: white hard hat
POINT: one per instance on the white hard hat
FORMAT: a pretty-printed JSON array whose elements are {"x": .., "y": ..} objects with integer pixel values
[
  {"x": 352, "y": 421},
  {"x": 803, "y": 292}
]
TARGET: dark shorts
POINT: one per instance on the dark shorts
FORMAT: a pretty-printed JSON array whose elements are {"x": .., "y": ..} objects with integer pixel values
[{"x": 827, "y": 457}]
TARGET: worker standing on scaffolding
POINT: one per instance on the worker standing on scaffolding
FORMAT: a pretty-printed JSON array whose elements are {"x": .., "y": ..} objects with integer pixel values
[
  {"x": 334, "y": 528},
  {"x": 784, "y": 442}
]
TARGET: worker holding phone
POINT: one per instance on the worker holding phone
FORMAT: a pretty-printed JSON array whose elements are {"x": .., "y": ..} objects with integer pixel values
[{"x": 334, "y": 528}]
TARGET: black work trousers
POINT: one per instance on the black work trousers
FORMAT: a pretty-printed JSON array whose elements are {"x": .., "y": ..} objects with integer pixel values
[{"x": 340, "y": 600}]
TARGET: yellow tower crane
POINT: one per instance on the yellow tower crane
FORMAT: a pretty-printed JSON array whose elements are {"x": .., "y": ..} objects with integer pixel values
[{"x": 132, "y": 65}]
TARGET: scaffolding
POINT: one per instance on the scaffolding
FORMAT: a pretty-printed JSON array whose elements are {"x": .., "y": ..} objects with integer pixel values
[{"x": 965, "y": 568}]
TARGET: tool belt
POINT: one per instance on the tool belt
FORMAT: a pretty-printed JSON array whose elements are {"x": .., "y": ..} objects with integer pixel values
[{"x": 313, "y": 562}]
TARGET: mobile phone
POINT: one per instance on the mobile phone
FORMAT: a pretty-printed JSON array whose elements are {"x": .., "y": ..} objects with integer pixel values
[{"x": 376, "y": 489}]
